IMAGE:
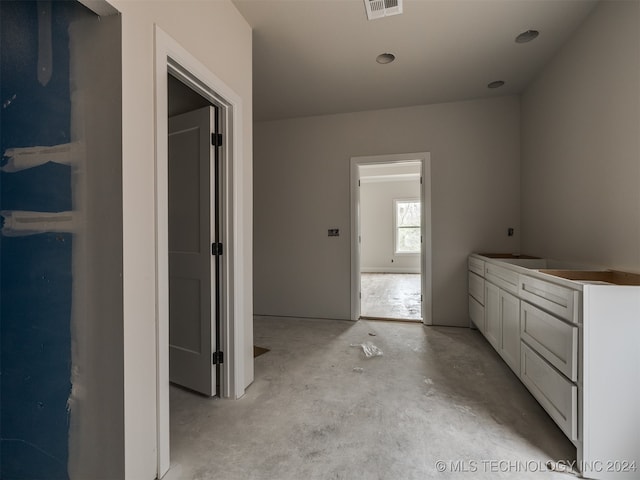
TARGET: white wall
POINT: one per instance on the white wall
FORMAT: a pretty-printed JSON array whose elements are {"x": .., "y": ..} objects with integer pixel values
[
  {"x": 96, "y": 403},
  {"x": 215, "y": 33},
  {"x": 302, "y": 189},
  {"x": 581, "y": 145},
  {"x": 377, "y": 248}
]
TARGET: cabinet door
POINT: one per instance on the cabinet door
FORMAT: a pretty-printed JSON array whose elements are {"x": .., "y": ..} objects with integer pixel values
[
  {"x": 493, "y": 322},
  {"x": 510, "y": 313}
]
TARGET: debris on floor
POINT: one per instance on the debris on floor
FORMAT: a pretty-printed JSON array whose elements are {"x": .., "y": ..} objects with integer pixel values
[
  {"x": 358, "y": 369},
  {"x": 562, "y": 466},
  {"x": 369, "y": 349},
  {"x": 372, "y": 334}
]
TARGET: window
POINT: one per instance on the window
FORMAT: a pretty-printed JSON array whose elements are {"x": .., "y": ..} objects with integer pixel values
[{"x": 407, "y": 226}]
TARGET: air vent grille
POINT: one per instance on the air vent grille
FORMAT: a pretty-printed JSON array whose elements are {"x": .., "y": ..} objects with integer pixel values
[{"x": 382, "y": 8}]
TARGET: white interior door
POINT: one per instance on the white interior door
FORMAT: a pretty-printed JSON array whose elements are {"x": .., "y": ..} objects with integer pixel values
[{"x": 192, "y": 279}]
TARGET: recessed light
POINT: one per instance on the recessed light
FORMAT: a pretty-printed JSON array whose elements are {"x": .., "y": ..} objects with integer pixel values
[
  {"x": 527, "y": 36},
  {"x": 385, "y": 58},
  {"x": 496, "y": 84}
]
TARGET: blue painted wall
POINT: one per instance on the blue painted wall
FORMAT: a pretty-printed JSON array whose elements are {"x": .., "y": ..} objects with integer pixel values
[{"x": 35, "y": 271}]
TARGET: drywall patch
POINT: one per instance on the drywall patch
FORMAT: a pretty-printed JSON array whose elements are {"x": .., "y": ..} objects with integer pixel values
[{"x": 35, "y": 270}]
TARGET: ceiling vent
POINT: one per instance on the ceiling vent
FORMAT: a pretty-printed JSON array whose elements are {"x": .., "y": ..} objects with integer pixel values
[{"x": 382, "y": 8}]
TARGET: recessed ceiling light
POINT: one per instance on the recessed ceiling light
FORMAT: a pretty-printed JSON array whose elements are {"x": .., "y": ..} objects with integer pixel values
[
  {"x": 496, "y": 84},
  {"x": 385, "y": 58},
  {"x": 527, "y": 36}
]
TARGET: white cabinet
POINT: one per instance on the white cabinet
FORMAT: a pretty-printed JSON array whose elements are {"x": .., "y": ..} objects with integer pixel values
[
  {"x": 476, "y": 293},
  {"x": 554, "y": 339},
  {"x": 476, "y": 313},
  {"x": 502, "y": 277},
  {"x": 556, "y": 394},
  {"x": 492, "y": 320},
  {"x": 559, "y": 300},
  {"x": 572, "y": 337},
  {"x": 502, "y": 324},
  {"x": 476, "y": 287},
  {"x": 476, "y": 266},
  {"x": 510, "y": 317}
]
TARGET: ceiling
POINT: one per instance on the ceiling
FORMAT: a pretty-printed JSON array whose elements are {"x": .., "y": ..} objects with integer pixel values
[{"x": 314, "y": 57}]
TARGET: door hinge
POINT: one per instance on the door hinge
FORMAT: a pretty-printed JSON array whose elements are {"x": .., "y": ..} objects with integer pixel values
[
  {"x": 216, "y": 139},
  {"x": 217, "y": 358},
  {"x": 216, "y": 249},
  {"x": 420, "y": 180},
  {"x": 359, "y": 183}
]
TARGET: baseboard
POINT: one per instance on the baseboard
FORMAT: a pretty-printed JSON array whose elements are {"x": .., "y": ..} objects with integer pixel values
[{"x": 390, "y": 270}]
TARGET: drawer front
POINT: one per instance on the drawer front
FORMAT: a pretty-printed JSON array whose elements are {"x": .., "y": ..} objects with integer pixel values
[
  {"x": 476, "y": 313},
  {"x": 476, "y": 265},
  {"x": 502, "y": 277},
  {"x": 554, "y": 339},
  {"x": 476, "y": 287},
  {"x": 561, "y": 301},
  {"x": 557, "y": 395}
]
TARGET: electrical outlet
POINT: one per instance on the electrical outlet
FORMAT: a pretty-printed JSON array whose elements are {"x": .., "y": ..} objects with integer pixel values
[
  {"x": 510, "y": 232},
  {"x": 334, "y": 232}
]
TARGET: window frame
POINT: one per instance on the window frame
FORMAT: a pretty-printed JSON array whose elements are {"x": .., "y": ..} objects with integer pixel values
[{"x": 396, "y": 227}]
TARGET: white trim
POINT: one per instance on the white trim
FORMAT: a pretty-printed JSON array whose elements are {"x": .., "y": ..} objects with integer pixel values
[
  {"x": 170, "y": 57},
  {"x": 398, "y": 177},
  {"x": 425, "y": 193},
  {"x": 100, "y": 7},
  {"x": 390, "y": 270}
]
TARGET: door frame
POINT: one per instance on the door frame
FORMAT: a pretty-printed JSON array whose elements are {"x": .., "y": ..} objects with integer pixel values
[
  {"x": 425, "y": 197},
  {"x": 172, "y": 58}
]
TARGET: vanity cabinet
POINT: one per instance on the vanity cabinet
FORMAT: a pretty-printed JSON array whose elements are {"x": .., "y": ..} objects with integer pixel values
[{"x": 572, "y": 338}]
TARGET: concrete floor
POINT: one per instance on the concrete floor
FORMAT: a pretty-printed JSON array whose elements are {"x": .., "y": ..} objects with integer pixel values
[
  {"x": 318, "y": 409},
  {"x": 390, "y": 295}
]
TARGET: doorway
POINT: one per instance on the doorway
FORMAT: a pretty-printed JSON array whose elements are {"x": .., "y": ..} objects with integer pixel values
[
  {"x": 391, "y": 237},
  {"x": 172, "y": 60},
  {"x": 390, "y": 241}
]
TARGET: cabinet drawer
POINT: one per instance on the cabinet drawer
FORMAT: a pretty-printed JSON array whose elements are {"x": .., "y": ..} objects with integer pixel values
[
  {"x": 476, "y": 313},
  {"x": 560, "y": 301},
  {"x": 557, "y": 395},
  {"x": 502, "y": 277},
  {"x": 476, "y": 287},
  {"x": 476, "y": 265},
  {"x": 554, "y": 339}
]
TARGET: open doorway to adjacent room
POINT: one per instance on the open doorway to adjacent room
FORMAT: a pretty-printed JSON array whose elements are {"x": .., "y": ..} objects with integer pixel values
[
  {"x": 199, "y": 312},
  {"x": 391, "y": 247}
]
